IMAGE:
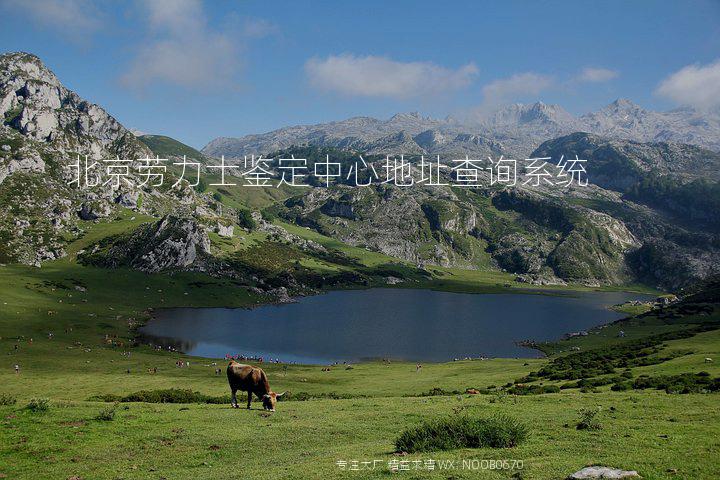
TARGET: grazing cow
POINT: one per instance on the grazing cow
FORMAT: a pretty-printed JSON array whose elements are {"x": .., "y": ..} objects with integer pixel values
[{"x": 251, "y": 380}]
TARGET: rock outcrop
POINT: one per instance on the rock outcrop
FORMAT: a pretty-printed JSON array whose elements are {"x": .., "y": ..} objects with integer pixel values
[{"x": 173, "y": 243}]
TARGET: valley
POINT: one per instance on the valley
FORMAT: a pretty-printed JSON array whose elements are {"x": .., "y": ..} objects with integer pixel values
[{"x": 83, "y": 268}]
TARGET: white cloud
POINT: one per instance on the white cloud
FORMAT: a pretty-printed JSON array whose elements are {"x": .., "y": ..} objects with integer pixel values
[
  {"x": 590, "y": 74},
  {"x": 372, "y": 76},
  {"x": 258, "y": 28},
  {"x": 521, "y": 84},
  {"x": 182, "y": 49},
  {"x": 74, "y": 19},
  {"x": 695, "y": 85}
]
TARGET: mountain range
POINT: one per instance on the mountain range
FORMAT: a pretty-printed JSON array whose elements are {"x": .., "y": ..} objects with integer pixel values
[
  {"x": 514, "y": 130},
  {"x": 650, "y": 213}
]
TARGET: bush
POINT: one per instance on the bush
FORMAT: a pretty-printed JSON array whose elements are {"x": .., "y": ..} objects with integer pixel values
[
  {"x": 245, "y": 220},
  {"x": 604, "y": 361},
  {"x": 682, "y": 383},
  {"x": 439, "y": 392},
  {"x": 588, "y": 419},
  {"x": 533, "y": 389},
  {"x": 38, "y": 405},
  {"x": 201, "y": 186},
  {"x": 7, "y": 399},
  {"x": 172, "y": 395},
  {"x": 107, "y": 414},
  {"x": 268, "y": 216},
  {"x": 462, "y": 432},
  {"x": 621, "y": 387}
]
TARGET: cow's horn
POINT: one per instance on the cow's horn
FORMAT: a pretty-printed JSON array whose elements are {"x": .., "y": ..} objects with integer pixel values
[
  {"x": 281, "y": 394},
  {"x": 266, "y": 396}
]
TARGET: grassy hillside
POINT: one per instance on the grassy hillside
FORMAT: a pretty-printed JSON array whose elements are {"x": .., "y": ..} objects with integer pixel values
[
  {"x": 169, "y": 147},
  {"x": 341, "y": 414}
]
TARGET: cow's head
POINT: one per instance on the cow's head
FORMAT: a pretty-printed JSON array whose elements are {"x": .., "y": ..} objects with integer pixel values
[{"x": 270, "y": 400}]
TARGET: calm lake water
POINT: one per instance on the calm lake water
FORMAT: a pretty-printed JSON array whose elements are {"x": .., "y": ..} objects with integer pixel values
[{"x": 415, "y": 325}]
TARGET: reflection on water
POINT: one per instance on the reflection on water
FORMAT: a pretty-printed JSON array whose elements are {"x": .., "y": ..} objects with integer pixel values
[
  {"x": 416, "y": 325},
  {"x": 169, "y": 343}
]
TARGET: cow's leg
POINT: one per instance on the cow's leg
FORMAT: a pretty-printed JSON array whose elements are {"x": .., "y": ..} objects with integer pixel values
[
  {"x": 249, "y": 399},
  {"x": 233, "y": 401}
]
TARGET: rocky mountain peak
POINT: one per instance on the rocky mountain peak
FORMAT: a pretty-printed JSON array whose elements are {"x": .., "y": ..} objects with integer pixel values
[
  {"x": 429, "y": 139},
  {"x": 406, "y": 116},
  {"x": 35, "y": 103},
  {"x": 623, "y": 105},
  {"x": 27, "y": 65},
  {"x": 519, "y": 114}
]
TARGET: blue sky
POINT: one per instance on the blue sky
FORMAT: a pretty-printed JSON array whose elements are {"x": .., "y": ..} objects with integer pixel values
[{"x": 196, "y": 70}]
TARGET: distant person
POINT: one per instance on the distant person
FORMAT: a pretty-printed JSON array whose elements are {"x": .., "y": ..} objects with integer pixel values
[
  {"x": 17, "y": 369},
  {"x": 418, "y": 367}
]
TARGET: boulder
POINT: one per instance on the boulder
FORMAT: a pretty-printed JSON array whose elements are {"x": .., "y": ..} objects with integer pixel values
[
  {"x": 128, "y": 199},
  {"x": 603, "y": 472},
  {"x": 93, "y": 212},
  {"x": 225, "y": 230}
]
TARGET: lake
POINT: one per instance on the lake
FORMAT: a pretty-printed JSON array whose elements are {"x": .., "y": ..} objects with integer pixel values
[{"x": 414, "y": 325}]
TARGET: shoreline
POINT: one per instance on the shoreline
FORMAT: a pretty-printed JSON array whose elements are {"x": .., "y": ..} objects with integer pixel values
[{"x": 149, "y": 339}]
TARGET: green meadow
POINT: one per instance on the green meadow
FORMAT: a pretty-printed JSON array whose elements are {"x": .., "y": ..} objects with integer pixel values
[{"x": 341, "y": 415}]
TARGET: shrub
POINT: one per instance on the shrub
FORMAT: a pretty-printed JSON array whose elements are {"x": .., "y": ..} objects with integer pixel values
[
  {"x": 38, "y": 405},
  {"x": 620, "y": 387},
  {"x": 107, "y": 414},
  {"x": 462, "y": 432},
  {"x": 604, "y": 361},
  {"x": 533, "y": 389},
  {"x": 439, "y": 392},
  {"x": 682, "y": 383},
  {"x": 201, "y": 186},
  {"x": 7, "y": 399},
  {"x": 301, "y": 396},
  {"x": 268, "y": 216},
  {"x": 588, "y": 419},
  {"x": 245, "y": 220},
  {"x": 172, "y": 395}
]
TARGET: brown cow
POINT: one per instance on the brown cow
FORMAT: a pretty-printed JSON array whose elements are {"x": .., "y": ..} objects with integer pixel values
[{"x": 251, "y": 380}]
